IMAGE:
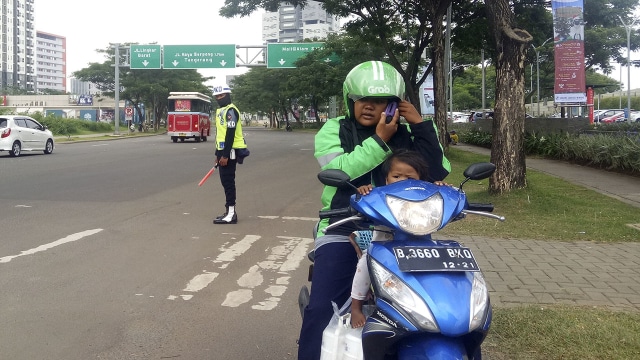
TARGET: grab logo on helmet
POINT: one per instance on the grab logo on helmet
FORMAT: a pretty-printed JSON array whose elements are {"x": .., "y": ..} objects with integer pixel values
[{"x": 378, "y": 89}]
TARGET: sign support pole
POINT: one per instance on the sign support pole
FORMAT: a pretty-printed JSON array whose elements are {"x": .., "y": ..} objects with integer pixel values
[{"x": 117, "y": 89}]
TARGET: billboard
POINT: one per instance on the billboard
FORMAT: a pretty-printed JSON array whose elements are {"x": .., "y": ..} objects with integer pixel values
[
  {"x": 426, "y": 96},
  {"x": 568, "y": 31},
  {"x": 85, "y": 100},
  {"x": 89, "y": 115}
]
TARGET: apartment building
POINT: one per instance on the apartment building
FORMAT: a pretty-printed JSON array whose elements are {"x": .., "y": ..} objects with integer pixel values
[
  {"x": 294, "y": 24},
  {"x": 17, "y": 40},
  {"x": 51, "y": 62}
]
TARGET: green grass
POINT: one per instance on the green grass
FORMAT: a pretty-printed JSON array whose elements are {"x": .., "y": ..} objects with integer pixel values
[
  {"x": 552, "y": 209},
  {"x": 549, "y": 208},
  {"x": 562, "y": 332},
  {"x": 104, "y": 136}
]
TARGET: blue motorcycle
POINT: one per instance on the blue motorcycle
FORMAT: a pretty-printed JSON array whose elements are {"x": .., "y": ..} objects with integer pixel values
[{"x": 431, "y": 300}]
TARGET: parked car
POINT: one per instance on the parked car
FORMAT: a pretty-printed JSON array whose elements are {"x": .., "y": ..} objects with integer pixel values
[
  {"x": 634, "y": 116},
  {"x": 613, "y": 118},
  {"x": 605, "y": 114},
  {"x": 460, "y": 118},
  {"x": 476, "y": 115},
  {"x": 20, "y": 133}
]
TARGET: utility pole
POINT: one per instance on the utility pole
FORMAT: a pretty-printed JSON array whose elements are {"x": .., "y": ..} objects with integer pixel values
[
  {"x": 628, "y": 28},
  {"x": 117, "y": 89},
  {"x": 448, "y": 49},
  {"x": 483, "y": 85},
  {"x": 531, "y": 100},
  {"x": 538, "y": 71}
]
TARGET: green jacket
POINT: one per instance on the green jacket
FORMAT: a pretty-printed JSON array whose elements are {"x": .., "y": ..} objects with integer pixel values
[{"x": 344, "y": 144}]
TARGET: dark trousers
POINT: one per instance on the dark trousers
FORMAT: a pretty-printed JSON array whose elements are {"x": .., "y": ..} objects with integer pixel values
[
  {"x": 333, "y": 270},
  {"x": 228, "y": 180}
]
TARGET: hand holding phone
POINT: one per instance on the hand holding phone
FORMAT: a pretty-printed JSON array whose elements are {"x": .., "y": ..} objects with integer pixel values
[{"x": 390, "y": 111}]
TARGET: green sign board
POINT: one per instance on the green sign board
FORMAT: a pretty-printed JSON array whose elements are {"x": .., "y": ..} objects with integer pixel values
[
  {"x": 283, "y": 55},
  {"x": 199, "y": 56},
  {"x": 145, "y": 56}
]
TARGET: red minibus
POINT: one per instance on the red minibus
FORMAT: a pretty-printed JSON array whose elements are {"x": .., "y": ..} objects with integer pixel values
[{"x": 189, "y": 116}]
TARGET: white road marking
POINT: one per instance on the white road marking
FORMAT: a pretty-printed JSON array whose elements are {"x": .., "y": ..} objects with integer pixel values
[
  {"x": 236, "y": 249},
  {"x": 287, "y": 218},
  {"x": 299, "y": 218},
  {"x": 281, "y": 260},
  {"x": 272, "y": 273},
  {"x": 200, "y": 282},
  {"x": 68, "y": 239},
  {"x": 23, "y": 206},
  {"x": 237, "y": 298},
  {"x": 223, "y": 260}
]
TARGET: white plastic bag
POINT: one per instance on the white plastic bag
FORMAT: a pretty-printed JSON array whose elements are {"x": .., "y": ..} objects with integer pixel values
[{"x": 339, "y": 340}]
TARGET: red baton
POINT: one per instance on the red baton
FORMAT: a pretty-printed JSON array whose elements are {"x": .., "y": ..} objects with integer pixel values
[{"x": 207, "y": 176}]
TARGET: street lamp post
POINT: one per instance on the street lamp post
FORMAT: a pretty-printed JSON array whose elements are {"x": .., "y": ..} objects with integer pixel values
[
  {"x": 531, "y": 76},
  {"x": 538, "y": 71},
  {"x": 628, "y": 28},
  {"x": 483, "y": 85}
]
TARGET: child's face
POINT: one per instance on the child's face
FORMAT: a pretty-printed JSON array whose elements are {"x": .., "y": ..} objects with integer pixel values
[
  {"x": 367, "y": 110},
  {"x": 401, "y": 171}
]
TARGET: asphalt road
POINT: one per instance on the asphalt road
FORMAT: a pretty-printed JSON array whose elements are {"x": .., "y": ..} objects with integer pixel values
[{"x": 107, "y": 250}]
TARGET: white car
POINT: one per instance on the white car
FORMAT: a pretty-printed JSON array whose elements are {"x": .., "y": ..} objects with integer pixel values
[
  {"x": 20, "y": 133},
  {"x": 634, "y": 116}
]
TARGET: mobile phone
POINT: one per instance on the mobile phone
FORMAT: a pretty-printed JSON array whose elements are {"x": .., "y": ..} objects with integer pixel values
[{"x": 390, "y": 111}]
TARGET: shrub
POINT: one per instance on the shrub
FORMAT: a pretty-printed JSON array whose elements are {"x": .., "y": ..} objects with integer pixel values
[
  {"x": 60, "y": 126},
  {"x": 613, "y": 147}
]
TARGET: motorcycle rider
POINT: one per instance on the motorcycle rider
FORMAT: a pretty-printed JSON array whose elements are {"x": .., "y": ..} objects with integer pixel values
[{"x": 358, "y": 143}]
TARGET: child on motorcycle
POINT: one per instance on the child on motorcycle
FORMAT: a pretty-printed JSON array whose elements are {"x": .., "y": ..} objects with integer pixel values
[
  {"x": 357, "y": 143},
  {"x": 400, "y": 165}
]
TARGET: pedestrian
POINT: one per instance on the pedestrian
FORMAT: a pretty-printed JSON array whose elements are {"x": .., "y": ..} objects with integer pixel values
[
  {"x": 231, "y": 148},
  {"x": 453, "y": 136},
  {"x": 358, "y": 143},
  {"x": 401, "y": 165}
]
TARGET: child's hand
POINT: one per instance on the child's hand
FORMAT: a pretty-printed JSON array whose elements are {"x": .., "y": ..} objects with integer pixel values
[
  {"x": 441, "y": 183},
  {"x": 365, "y": 189}
]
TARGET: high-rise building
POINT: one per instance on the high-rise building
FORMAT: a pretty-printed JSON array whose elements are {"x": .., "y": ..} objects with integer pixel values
[
  {"x": 294, "y": 24},
  {"x": 17, "y": 40},
  {"x": 51, "y": 62}
]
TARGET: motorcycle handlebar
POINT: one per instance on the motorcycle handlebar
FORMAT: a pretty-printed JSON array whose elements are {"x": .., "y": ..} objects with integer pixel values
[
  {"x": 325, "y": 214},
  {"x": 481, "y": 207}
]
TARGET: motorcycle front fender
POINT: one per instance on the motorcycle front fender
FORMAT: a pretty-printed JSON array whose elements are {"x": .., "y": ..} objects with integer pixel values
[{"x": 432, "y": 347}]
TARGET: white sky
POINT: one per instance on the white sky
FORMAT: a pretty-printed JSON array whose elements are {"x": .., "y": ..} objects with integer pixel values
[
  {"x": 90, "y": 25},
  {"x": 635, "y": 74}
]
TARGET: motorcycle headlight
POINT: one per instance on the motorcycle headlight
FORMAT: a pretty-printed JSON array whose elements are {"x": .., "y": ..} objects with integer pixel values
[
  {"x": 479, "y": 301},
  {"x": 417, "y": 217},
  {"x": 401, "y": 296}
]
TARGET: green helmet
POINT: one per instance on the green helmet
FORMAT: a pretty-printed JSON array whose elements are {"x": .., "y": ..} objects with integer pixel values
[{"x": 372, "y": 79}]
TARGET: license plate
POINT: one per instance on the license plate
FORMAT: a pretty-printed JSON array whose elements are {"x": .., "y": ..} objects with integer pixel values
[
  {"x": 435, "y": 258},
  {"x": 182, "y": 134}
]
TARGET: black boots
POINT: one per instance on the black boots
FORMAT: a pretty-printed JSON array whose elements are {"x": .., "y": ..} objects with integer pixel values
[
  {"x": 229, "y": 217},
  {"x": 226, "y": 211}
]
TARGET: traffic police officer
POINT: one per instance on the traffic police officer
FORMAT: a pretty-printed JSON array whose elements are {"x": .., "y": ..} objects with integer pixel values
[{"x": 229, "y": 140}]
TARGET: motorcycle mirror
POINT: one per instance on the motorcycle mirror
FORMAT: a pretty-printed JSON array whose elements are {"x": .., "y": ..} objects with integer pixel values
[
  {"x": 478, "y": 171},
  {"x": 336, "y": 178}
]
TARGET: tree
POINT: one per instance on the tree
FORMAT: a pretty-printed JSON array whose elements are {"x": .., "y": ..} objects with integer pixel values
[
  {"x": 605, "y": 37},
  {"x": 148, "y": 86},
  {"x": 405, "y": 30},
  {"x": 467, "y": 87},
  {"x": 262, "y": 90},
  {"x": 508, "y": 120},
  {"x": 315, "y": 80}
]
